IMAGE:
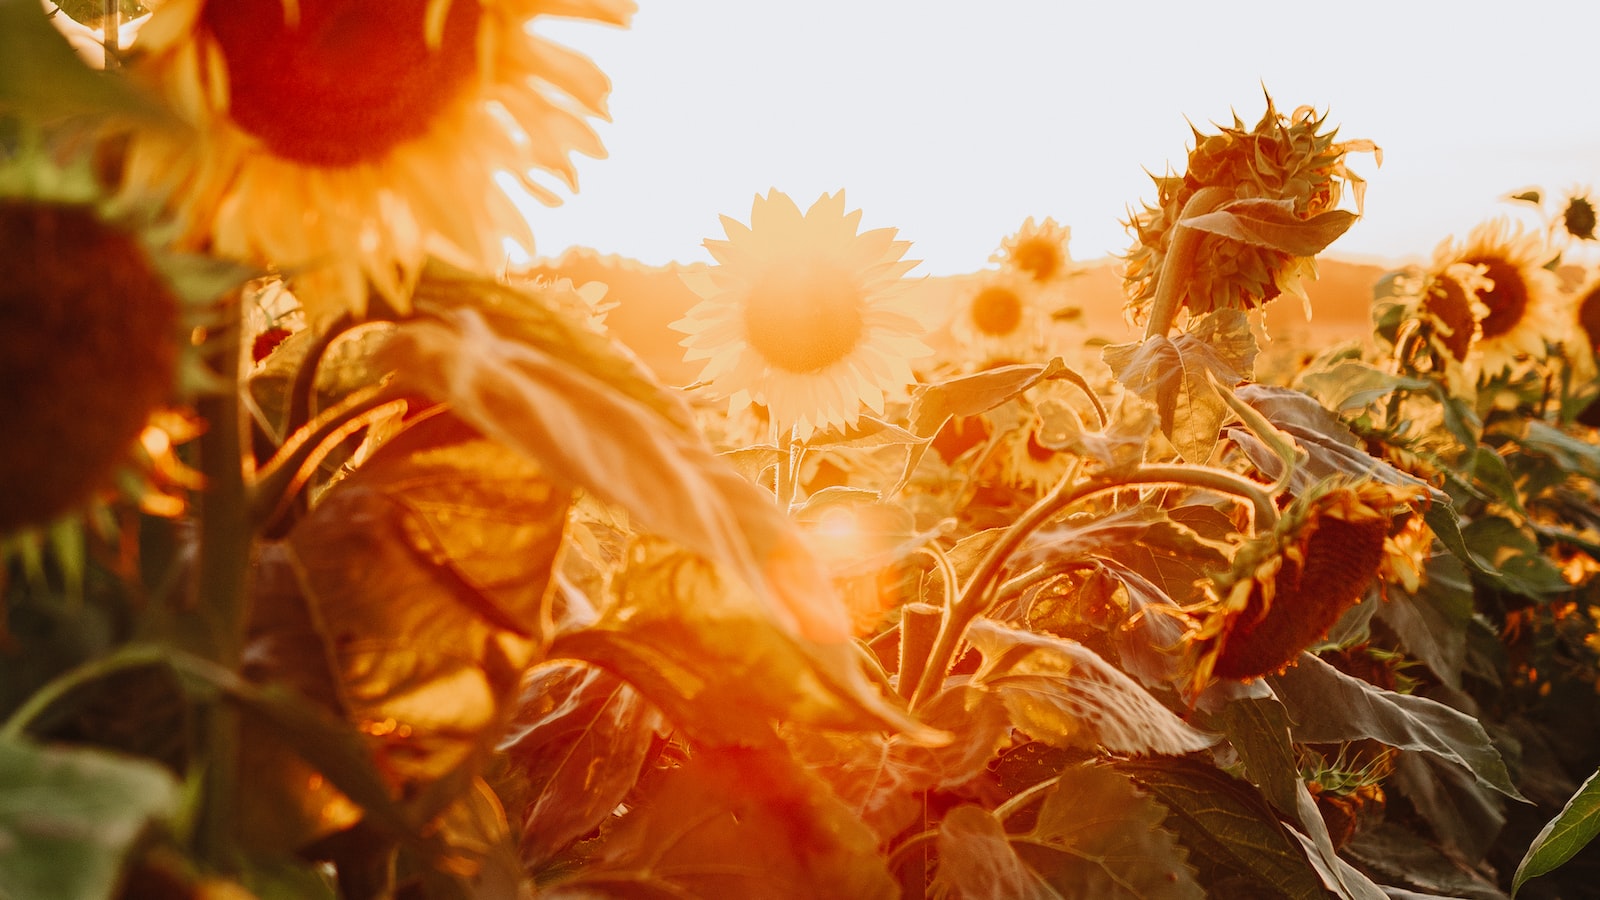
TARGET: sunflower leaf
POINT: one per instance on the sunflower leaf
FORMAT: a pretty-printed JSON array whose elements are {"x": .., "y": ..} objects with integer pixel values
[
  {"x": 1273, "y": 224},
  {"x": 1327, "y": 705},
  {"x": 733, "y": 823},
  {"x": 1563, "y": 836},
  {"x": 1432, "y": 623},
  {"x": 1171, "y": 374},
  {"x": 42, "y": 77},
  {"x": 580, "y": 738},
  {"x": 1352, "y": 385},
  {"x": 703, "y": 649},
  {"x": 1061, "y": 692},
  {"x": 976, "y": 859},
  {"x": 68, "y": 816}
]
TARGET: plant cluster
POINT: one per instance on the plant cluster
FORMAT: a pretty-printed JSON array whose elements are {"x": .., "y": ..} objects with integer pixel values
[{"x": 345, "y": 559}]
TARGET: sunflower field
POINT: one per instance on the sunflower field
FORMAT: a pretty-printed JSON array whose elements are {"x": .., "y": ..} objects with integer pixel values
[{"x": 349, "y": 550}]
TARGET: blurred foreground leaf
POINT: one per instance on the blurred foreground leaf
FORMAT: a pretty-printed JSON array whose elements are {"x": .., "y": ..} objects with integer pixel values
[{"x": 68, "y": 816}]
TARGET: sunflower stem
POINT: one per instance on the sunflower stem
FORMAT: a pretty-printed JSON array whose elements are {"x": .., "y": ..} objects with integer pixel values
[
  {"x": 784, "y": 488},
  {"x": 220, "y": 590},
  {"x": 1178, "y": 268},
  {"x": 978, "y": 595}
]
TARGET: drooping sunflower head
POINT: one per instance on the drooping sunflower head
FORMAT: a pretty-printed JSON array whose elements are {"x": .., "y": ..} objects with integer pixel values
[
  {"x": 803, "y": 315},
  {"x": 1520, "y": 297},
  {"x": 1286, "y": 588},
  {"x": 1038, "y": 251},
  {"x": 345, "y": 141},
  {"x": 1290, "y": 159},
  {"x": 91, "y": 336}
]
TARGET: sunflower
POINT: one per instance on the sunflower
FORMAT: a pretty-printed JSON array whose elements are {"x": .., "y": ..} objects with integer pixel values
[
  {"x": 1578, "y": 216},
  {"x": 1038, "y": 251},
  {"x": 92, "y": 347},
  {"x": 345, "y": 141},
  {"x": 803, "y": 315},
  {"x": 1288, "y": 587},
  {"x": 1287, "y": 159},
  {"x": 1521, "y": 298},
  {"x": 1000, "y": 318}
]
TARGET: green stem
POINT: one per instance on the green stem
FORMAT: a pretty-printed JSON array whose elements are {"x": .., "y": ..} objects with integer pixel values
[
  {"x": 1021, "y": 801},
  {"x": 40, "y": 701},
  {"x": 1178, "y": 267},
  {"x": 976, "y": 598},
  {"x": 221, "y": 589}
]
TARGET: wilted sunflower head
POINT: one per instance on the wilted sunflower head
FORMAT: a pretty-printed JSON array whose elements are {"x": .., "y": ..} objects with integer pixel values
[
  {"x": 1038, "y": 251},
  {"x": 803, "y": 315},
  {"x": 91, "y": 333},
  {"x": 1289, "y": 159},
  {"x": 344, "y": 142},
  {"x": 1520, "y": 297},
  {"x": 1286, "y": 588}
]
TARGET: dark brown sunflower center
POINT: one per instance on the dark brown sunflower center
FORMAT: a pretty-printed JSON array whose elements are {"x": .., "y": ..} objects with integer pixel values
[
  {"x": 804, "y": 318},
  {"x": 1038, "y": 257},
  {"x": 996, "y": 311},
  {"x": 1507, "y": 299},
  {"x": 88, "y": 345},
  {"x": 1589, "y": 316},
  {"x": 1449, "y": 305},
  {"x": 1579, "y": 218},
  {"x": 345, "y": 81}
]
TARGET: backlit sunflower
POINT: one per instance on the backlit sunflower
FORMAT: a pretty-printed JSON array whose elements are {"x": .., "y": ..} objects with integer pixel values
[
  {"x": 1000, "y": 318},
  {"x": 1038, "y": 251},
  {"x": 1288, "y": 587},
  {"x": 1521, "y": 299},
  {"x": 345, "y": 141},
  {"x": 803, "y": 315}
]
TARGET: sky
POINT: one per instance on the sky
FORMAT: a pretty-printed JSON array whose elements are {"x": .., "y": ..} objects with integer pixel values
[{"x": 955, "y": 121}]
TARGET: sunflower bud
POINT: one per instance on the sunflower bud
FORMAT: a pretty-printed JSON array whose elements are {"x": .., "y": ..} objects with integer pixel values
[
  {"x": 1287, "y": 588},
  {"x": 88, "y": 349}
]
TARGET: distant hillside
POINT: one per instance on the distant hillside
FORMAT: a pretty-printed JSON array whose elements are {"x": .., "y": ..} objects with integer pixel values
[{"x": 649, "y": 298}]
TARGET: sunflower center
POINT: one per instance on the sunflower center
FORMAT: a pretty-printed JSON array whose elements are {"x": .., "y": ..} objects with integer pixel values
[
  {"x": 345, "y": 81},
  {"x": 996, "y": 311},
  {"x": 1507, "y": 299},
  {"x": 1589, "y": 316},
  {"x": 1579, "y": 218},
  {"x": 1447, "y": 303},
  {"x": 804, "y": 318},
  {"x": 1039, "y": 258}
]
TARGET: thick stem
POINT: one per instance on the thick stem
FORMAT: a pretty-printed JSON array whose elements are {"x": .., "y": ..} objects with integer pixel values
[
  {"x": 1178, "y": 267},
  {"x": 789, "y": 449}
]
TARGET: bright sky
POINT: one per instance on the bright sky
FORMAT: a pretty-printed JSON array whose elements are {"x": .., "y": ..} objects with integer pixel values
[{"x": 953, "y": 120}]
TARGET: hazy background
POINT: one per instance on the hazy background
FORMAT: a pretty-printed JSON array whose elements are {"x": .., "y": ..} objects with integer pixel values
[{"x": 953, "y": 121}]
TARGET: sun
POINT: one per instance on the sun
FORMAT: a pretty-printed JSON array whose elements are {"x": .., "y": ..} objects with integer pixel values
[
  {"x": 344, "y": 142},
  {"x": 803, "y": 315}
]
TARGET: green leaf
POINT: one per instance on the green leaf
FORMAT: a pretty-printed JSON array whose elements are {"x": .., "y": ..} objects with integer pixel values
[
  {"x": 710, "y": 655},
  {"x": 42, "y": 77},
  {"x": 1061, "y": 692},
  {"x": 1329, "y": 706},
  {"x": 976, "y": 860},
  {"x": 1489, "y": 473},
  {"x": 580, "y": 738},
  {"x": 1352, "y": 386},
  {"x": 1392, "y": 851},
  {"x": 1432, "y": 624},
  {"x": 1573, "y": 454},
  {"x": 733, "y": 823},
  {"x": 1563, "y": 836},
  {"x": 588, "y": 433},
  {"x": 1516, "y": 562},
  {"x": 1273, "y": 224},
  {"x": 1171, "y": 373},
  {"x": 68, "y": 817},
  {"x": 1232, "y": 836},
  {"x": 1096, "y": 835}
]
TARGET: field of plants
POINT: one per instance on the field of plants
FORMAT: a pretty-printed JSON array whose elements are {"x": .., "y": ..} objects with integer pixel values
[{"x": 344, "y": 559}]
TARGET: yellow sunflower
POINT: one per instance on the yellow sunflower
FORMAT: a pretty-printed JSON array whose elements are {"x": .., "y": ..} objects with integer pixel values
[
  {"x": 345, "y": 141},
  {"x": 1288, "y": 587},
  {"x": 803, "y": 315},
  {"x": 1039, "y": 251},
  {"x": 1000, "y": 318},
  {"x": 1521, "y": 299}
]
